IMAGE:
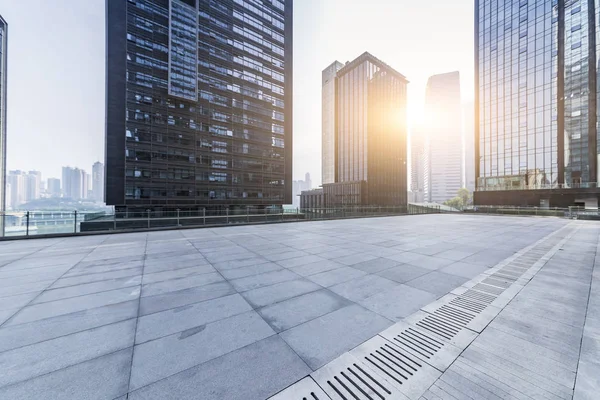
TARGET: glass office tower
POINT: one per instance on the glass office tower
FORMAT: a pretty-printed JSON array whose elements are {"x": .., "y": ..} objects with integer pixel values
[
  {"x": 3, "y": 58},
  {"x": 370, "y": 135},
  {"x": 536, "y": 99},
  {"x": 328, "y": 122},
  {"x": 199, "y": 104}
]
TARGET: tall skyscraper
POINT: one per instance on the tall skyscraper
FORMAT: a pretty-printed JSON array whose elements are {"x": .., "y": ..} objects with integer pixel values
[
  {"x": 3, "y": 80},
  {"x": 53, "y": 187},
  {"x": 199, "y": 104},
  {"x": 74, "y": 181},
  {"x": 328, "y": 122},
  {"x": 33, "y": 184},
  {"x": 417, "y": 167},
  {"x": 18, "y": 188},
  {"x": 370, "y": 135},
  {"x": 443, "y": 147},
  {"x": 537, "y": 65},
  {"x": 98, "y": 182},
  {"x": 469, "y": 147}
]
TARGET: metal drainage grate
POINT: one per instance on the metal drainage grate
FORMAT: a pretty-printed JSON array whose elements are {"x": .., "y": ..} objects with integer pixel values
[
  {"x": 349, "y": 378},
  {"x": 496, "y": 281},
  {"x": 478, "y": 296},
  {"x": 404, "y": 370},
  {"x": 454, "y": 315},
  {"x": 469, "y": 305},
  {"x": 434, "y": 324},
  {"x": 423, "y": 345},
  {"x": 482, "y": 287},
  {"x": 306, "y": 389}
]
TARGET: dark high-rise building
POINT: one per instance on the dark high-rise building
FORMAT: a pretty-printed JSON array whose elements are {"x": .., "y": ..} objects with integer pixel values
[
  {"x": 3, "y": 80},
  {"x": 199, "y": 103},
  {"x": 370, "y": 135},
  {"x": 536, "y": 102}
]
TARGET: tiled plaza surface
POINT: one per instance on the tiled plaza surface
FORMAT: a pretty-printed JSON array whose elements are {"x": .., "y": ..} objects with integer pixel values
[{"x": 244, "y": 312}]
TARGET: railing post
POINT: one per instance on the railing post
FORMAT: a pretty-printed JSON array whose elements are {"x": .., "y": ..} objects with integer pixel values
[
  {"x": 115, "y": 221},
  {"x": 27, "y": 224},
  {"x": 227, "y": 215},
  {"x": 148, "y": 211},
  {"x": 204, "y": 215},
  {"x": 178, "y": 217},
  {"x": 248, "y": 214},
  {"x": 75, "y": 224},
  {"x": 297, "y": 214}
]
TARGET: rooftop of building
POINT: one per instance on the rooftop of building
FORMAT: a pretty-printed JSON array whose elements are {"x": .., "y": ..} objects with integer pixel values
[
  {"x": 472, "y": 306},
  {"x": 366, "y": 56}
]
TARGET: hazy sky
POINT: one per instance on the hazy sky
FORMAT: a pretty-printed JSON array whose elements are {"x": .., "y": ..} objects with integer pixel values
[{"x": 56, "y": 69}]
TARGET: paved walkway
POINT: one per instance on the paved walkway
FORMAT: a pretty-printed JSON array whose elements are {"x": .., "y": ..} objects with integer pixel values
[{"x": 244, "y": 312}]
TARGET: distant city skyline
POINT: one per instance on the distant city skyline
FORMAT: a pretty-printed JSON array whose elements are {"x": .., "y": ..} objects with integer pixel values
[{"x": 78, "y": 85}]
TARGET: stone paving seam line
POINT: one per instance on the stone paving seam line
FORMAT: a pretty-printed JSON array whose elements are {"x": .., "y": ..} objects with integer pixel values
[
  {"x": 137, "y": 318},
  {"x": 56, "y": 280},
  {"x": 586, "y": 314}
]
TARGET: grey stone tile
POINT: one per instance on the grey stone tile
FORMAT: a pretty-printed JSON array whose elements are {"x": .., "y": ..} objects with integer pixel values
[
  {"x": 17, "y": 301},
  {"x": 488, "y": 257},
  {"x": 38, "y": 359},
  {"x": 97, "y": 277},
  {"x": 177, "y": 273},
  {"x": 12, "y": 337},
  {"x": 286, "y": 255},
  {"x": 430, "y": 262},
  {"x": 169, "y": 355},
  {"x": 152, "y": 304},
  {"x": 178, "y": 319},
  {"x": 351, "y": 260},
  {"x": 339, "y": 275},
  {"x": 87, "y": 288},
  {"x": 105, "y": 377},
  {"x": 257, "y": 371},
  {"x": 375, "y": 265},
  {"x": 587, "y": 385},
  {"x": 24, "y": 288},
  {"x": 316, "y": 268},
  {"x": 244, "y": 262},
  {"x": 67, "y": 306},
  {"x": 261, "y": 280},
  {"x": 249, "y": 271},
  {"x": 454, "y": 254},
  {"x": 436, "y": 282},
  {"x": 333, "y": 255},
  {"x": 398, "y": 302},
  {"x": 296, "y": 311},
  {"x": 7, "y": 313},
  {"x": 403, "y": 273},
  {"x": 158, "y": 288},
  {"x": 321, "y": 340},
  {"x": 363, "y": 287},
  {"x": 281, "y": 291},
  {"x": 299, "y": 261},
  {"x": 466, "y": 270}
]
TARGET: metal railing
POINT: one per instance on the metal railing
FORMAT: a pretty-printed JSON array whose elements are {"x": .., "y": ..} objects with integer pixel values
[
  {"x": 36, "y": 223},
  {"x": 570, "y": 212},
  {"x": 545, "y": 186}
]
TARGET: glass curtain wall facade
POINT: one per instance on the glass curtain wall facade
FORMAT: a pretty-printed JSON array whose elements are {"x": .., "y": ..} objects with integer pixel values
[
  {"x": 199, "y": 104},
  {"x": 537, "y": 94},
  {"x": 328, "y": 122},
  {"x": 3, "y": 80},
  {"x": 371, "y": 129},
  {"x": 517, "y": 88}
]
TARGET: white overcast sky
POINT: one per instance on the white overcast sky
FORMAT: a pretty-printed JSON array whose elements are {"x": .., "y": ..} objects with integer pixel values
[{"x": 56, "y": 69}]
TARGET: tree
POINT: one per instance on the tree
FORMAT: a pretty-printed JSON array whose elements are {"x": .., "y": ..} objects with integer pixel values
[{"x": 465, "y": 196}]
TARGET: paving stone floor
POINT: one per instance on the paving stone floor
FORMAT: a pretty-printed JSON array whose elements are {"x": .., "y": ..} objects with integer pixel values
[{"x": 243, "y": 312}]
